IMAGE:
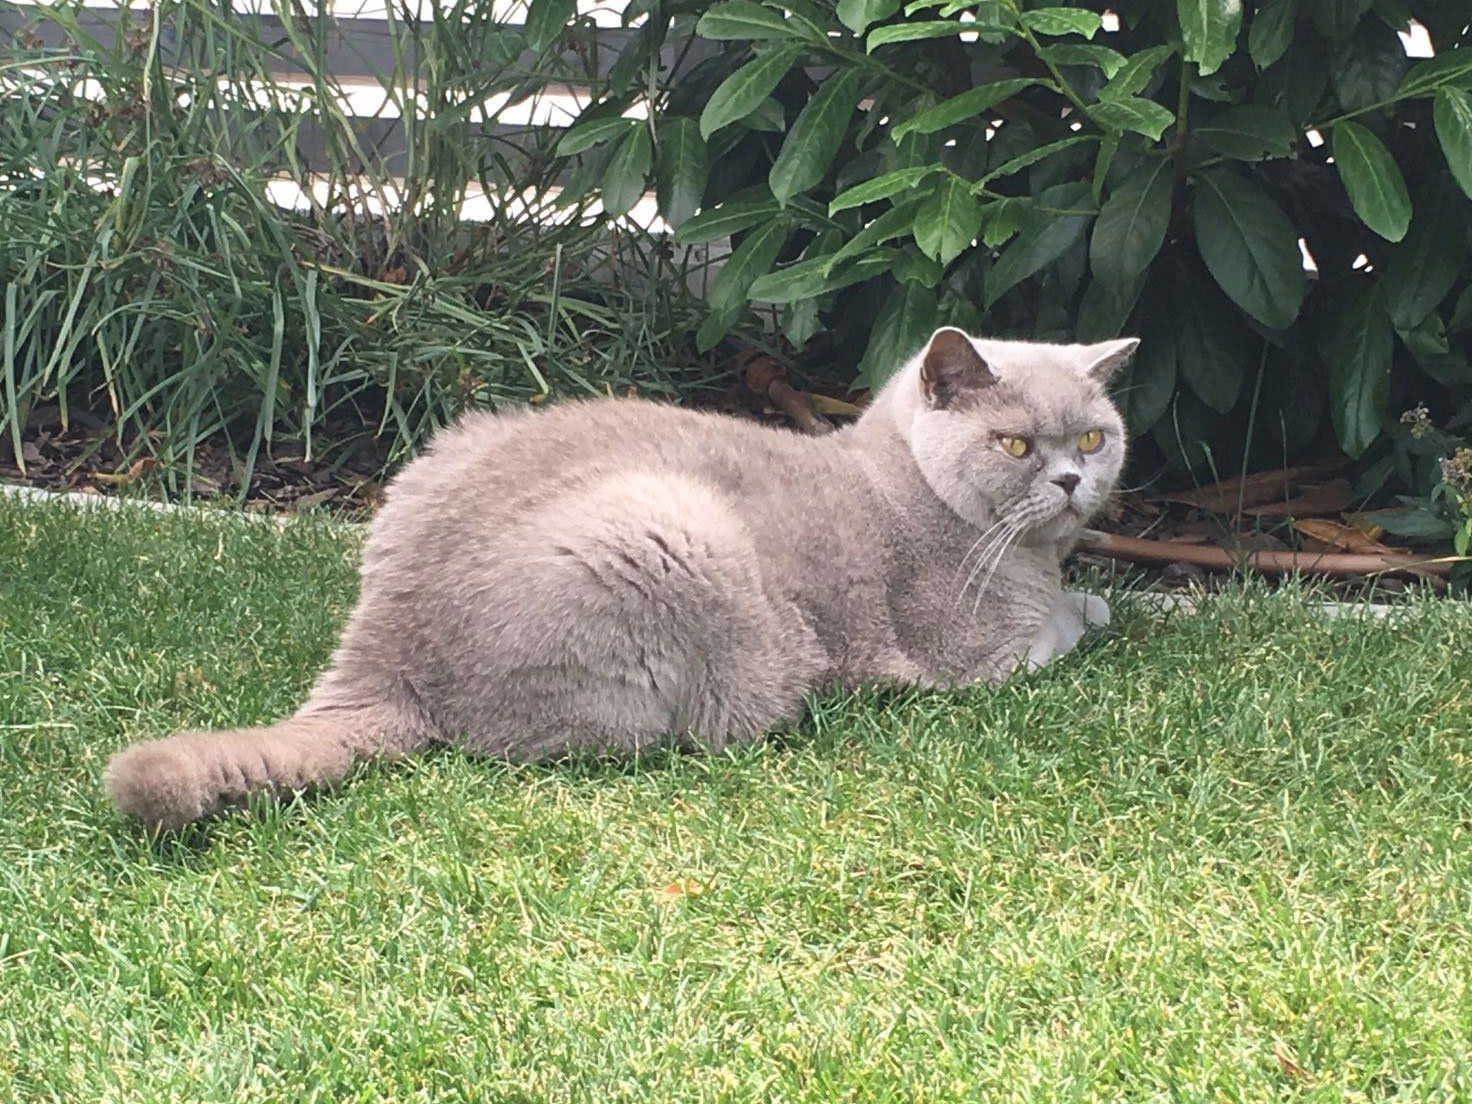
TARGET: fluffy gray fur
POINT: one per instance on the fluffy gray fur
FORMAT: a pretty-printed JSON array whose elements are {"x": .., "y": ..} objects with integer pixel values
[{"x": 614, "y": 574}]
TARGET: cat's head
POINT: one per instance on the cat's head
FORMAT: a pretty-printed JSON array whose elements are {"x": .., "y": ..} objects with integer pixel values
[{"x": 1015, "y": 431}]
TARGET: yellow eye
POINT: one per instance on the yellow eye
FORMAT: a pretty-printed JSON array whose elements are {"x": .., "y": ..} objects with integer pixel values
[
  {"x": 1017, "y": 447},
  {"x": 1091, "y": 441}
]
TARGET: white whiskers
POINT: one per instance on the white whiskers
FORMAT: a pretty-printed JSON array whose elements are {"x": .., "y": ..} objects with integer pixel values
[
  {"x": 972, "y": 550},
  {"x": 1013, "y": 535},
  {"x": 990, "y": 556}
]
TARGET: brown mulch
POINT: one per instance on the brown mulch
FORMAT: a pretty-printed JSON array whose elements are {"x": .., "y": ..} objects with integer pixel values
[{"x": 83, "y": 457}]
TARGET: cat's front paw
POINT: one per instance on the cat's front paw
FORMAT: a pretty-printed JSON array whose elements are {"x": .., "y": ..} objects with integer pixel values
[
  {"x": 1074, "y": 613},
  {"x": 1092, "y": 608}
]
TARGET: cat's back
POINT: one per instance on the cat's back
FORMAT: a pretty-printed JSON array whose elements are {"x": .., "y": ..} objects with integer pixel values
[{"x": 490, "y": 469}]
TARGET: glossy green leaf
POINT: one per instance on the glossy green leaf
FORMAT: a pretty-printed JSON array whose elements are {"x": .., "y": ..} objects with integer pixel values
[
  {"x": 1062, "y": 21},
  {"x": 587, "y": 175},
  {"x": 1001, "y": 218},
  {"x": 1073, "y": 53},
  {"x": 1143, "y": 390},
  {"x": 958, "y": 109},
  {"x": 585, "y": 136},
  {"x": 1210, "y": 352},
  {"x": 1131, "y": 226},
  {"x": 744, "y": 20},
  {"x": 1032, "y": 157},
  {"x": 800, "y": 322},
  {"x": 1461, "y": 318},
  {"x": 1414, "y": 522},
  {"x": 1249, "y": 133},
  {"x": 881, "y": 187},
  {"x": 1209, "y": 31},
  {"x": 805, "y": 279},
  {"x": 1103, "y": 160},
  {"x": 992, "y": 17},
  {"x": 811, "y": 276},
  {"x": 768, "y": 117},
  {"x": 948, "y": 220},
  {"x": 1453, "y": 114},
  {"x": 1131, "y": 113},
  {"x": 753, "y": 258},
  {"x": 914, "y": 32},
  {"x": 1299, "y": 82},
  {"x": 1376, "y": 188},
  {"x": 859, "y": 15},
  {"x": 744, "y": 90},
  {"x": 717, "y": 325},
  {"x": 625, "y": 177},
  {"x": 1271, "y": 31},
  {"x": 1337, "y": 19},
  {"x": 896, "y": 222},
  {"x": 729, "y": 218},
  {"x": 1454, "y": 67},
  {"x": 1430, "y": 346},
  {"x": 681, "y": 169},
  {"x": 1136, "y": 72},
  {"x": 546, "y": 20},
  {"x": 1042, "y": 240},
  {"x": 1250, "y": 247},
  {"x": 815, "y": 137},
  {"x": 1367, "y": 67},
  {"x": 1359, "y": 372},
  {"x": 1103, "y": 311},
  {"x": 904, "y": 324},
  {"x": 1394, "y": 14},
  {"x": 911, "y": 264},
  {"x": 1423, "y": 268}
]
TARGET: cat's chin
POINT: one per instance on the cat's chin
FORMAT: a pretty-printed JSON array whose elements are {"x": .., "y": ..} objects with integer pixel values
[{"x": 1063, "y": 525}]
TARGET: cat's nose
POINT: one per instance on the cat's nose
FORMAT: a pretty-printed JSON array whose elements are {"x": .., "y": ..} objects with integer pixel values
[{"x": 1068, "y": 482}]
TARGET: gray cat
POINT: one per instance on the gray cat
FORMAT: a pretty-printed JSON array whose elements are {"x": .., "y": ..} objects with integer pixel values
[{"x": 615, "y": 574}]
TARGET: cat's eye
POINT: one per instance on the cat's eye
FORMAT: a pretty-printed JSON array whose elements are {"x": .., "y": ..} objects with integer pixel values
[
  {"x": 1016, "y": 447},
  {"x": 1091, "y": 441}
]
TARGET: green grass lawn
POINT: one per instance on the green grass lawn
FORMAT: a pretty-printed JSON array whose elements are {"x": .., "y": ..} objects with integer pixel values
[{"x": 1225, "y": 856}]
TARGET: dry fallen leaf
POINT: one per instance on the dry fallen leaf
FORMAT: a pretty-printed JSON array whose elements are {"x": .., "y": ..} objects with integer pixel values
[
  {"x": 314, "y": 499},
  {"x": 1256, "y": 490},
  {"x": 1320, "y": 499},
  {"x": 1289, "y": 1066},
  {"x": 825, "y": 404},
  {"x": 119, "y": 479},
  {"x": 1335, "y": 536},
  {"x": 685, "y": 887}
]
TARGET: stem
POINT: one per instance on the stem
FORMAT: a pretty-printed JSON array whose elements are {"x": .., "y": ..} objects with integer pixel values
[
  {"x": 1270, "y": 563},
  {"x": 1178, "y": 146},
  {"x": 1063, "y": 85},
  {"x": 987, "y": 193},
  {"x": 1327, "y": 123},
  {"x": 858, "y": 57}
]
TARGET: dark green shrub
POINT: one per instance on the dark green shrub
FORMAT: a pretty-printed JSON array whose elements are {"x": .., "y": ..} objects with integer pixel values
[{"x": 1017, "y": 169}]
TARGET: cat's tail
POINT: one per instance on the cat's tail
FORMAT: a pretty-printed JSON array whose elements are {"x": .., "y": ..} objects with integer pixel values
[{"x": 168, "y": 783}]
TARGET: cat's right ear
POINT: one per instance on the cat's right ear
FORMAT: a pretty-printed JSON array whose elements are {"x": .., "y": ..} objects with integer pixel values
[{"x": 951, "y": 368}]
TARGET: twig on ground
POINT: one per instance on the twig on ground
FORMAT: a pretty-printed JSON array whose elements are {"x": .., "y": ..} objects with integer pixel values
[
  {"x": 1269, "y": 562},
  {"x": 768, "y": 379}
]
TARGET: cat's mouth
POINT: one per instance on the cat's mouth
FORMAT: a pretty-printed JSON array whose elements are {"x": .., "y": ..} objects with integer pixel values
[{"x": 1047, "y": 520}]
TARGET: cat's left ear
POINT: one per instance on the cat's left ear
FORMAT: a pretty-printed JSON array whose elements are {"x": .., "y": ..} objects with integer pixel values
[
  {"x": 951, "y": 367},
  {"x": 1105, "y": 359}
]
